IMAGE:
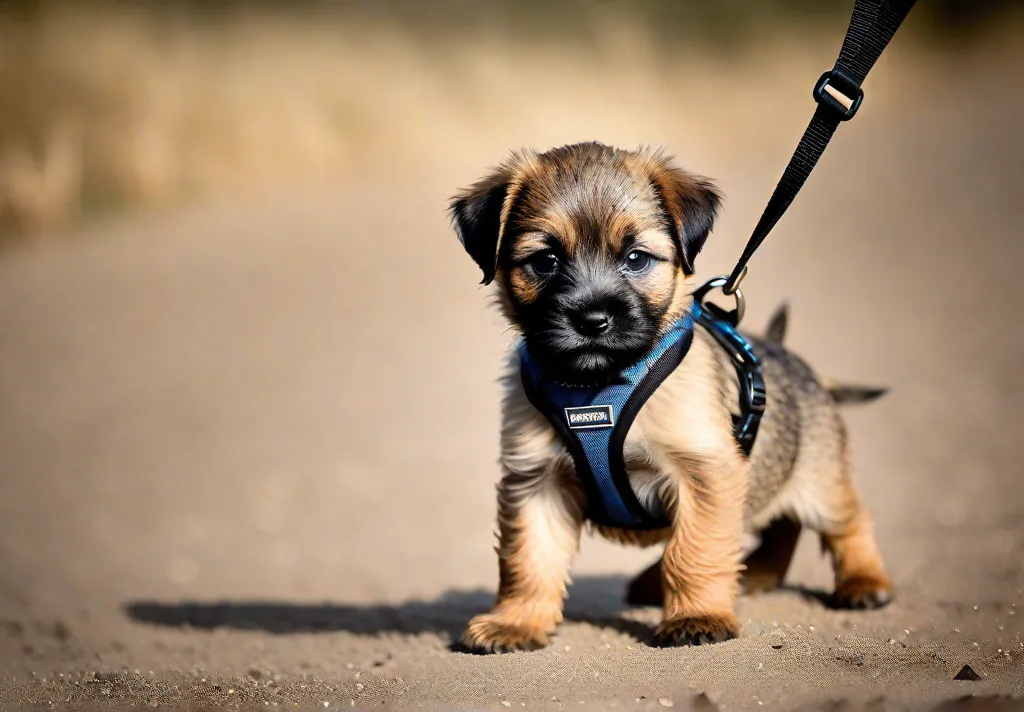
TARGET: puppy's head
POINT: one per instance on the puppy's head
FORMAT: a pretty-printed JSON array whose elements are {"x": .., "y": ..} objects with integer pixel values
[{"x": 590, "y": 247}]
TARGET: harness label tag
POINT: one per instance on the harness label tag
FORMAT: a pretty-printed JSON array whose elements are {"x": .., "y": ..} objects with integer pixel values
[{"x": 590, "y": 417}]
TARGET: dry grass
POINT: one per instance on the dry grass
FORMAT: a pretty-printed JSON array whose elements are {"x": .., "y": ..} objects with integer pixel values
[
  {"x": 108, "y": 107},
  {"x": 103, "y": 107}
]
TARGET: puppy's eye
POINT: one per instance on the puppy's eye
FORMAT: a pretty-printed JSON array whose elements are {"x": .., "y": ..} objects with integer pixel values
[
  {"x": 637, "y": 261},
  {"x": 543, "y": 264}
]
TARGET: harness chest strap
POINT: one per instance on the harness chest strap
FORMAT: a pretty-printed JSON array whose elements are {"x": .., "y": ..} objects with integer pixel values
[{"x": 593, "y": 421}]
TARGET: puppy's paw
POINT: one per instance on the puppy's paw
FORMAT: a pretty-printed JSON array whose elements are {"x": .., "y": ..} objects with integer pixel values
[
  {"x": 696, "y": 630},
  {"x": 863, "y": 592},
  {"x": 490, "y": 633}
]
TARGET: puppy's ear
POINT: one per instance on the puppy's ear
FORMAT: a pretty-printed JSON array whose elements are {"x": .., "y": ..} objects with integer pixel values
[
  {"x": 691, "y": 203},
  {"x": 477, "y": 218}
]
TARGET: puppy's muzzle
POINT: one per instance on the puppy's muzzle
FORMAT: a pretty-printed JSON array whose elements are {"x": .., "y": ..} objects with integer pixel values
[
  {"x": 591, "y": 322},
  {"x": 594, "y": 306}
]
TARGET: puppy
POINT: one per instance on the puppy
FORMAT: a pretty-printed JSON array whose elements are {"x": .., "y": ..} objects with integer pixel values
[{"x": 592, "y": 251}]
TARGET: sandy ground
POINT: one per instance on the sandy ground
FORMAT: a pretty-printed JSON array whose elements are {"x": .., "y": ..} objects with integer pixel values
[{"x": 248, "y": 450}]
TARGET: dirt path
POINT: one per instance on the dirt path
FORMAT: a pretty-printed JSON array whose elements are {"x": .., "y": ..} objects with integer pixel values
[{"x": 248, "y": 452}]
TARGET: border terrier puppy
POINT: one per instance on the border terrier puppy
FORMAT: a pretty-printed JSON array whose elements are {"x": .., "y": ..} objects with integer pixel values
[{"x": 592, "y": 250}]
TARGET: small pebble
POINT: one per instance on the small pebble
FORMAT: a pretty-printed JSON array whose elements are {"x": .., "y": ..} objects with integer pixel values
[
  {"x": 567, "y": 648},
  {"x": 326, "y": 703},
  {"x": 506, "y": 703},
  {"x": 360, "y": 686},
  {"x": 967, "y": 673},
  {"x": 665, "y": 701}
]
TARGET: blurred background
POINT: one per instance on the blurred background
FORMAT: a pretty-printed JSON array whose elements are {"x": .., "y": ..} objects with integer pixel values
[
  {"x": 246, "y": 368},
  {"x": 110, "y": 106}
]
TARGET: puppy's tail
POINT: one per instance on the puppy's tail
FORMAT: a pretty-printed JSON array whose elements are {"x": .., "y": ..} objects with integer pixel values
[
  {"x": 842, "y": 393},
  {"x": 776, "y": 331}
]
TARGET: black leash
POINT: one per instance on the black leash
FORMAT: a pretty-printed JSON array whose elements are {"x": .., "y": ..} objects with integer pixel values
[{"x": 839, "y": 96}]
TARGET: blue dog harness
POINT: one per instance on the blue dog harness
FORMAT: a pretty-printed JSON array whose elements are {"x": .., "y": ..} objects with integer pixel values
[{"x": 593, "y": 420}]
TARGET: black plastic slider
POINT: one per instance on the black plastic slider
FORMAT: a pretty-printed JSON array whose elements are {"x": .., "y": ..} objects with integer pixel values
[
  {"x": 757, "y": 395},
  {"x": 845, "y": 88}
]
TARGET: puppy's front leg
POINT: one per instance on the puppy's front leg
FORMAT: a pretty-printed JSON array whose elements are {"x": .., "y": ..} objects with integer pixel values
[
  {"x": 539, "y": 523},
  {"x": 702, "y": 560}
]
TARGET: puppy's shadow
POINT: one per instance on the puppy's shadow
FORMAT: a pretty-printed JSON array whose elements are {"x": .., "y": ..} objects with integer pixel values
[
  {"x": 597, "y": 600},
  {"x": 811, "y": 595}
]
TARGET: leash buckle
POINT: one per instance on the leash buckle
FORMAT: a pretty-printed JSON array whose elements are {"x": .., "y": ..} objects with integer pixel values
[
  {"x": 735, "y": 316},
  {"x": 733, "y": 283},
  {"x": 834, "y": 89}
]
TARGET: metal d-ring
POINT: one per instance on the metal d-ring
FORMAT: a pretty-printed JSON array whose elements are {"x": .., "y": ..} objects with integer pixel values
[{"x": 736, "y": 315}]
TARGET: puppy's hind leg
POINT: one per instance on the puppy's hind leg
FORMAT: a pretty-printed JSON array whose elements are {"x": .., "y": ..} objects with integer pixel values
[
  {"x": 765, "y": 567},
  {"x": 828, "y": 503},
  {"x": 861, "y": 580},
  {"x": 646, "y": 589},
  {"x": 539, "y": 525}
]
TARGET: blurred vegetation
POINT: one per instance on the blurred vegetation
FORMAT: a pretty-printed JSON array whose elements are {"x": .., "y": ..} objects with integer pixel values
[
  {"x": 679, "y": 20},
  {"x": 110, "y": 104}
]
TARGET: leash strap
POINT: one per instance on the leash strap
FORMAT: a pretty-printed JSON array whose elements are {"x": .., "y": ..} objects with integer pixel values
[{"x": 839, "y": 95}]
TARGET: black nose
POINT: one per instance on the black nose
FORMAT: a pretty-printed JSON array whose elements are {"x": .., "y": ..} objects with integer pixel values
[{"x": 593, "y": 322}]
